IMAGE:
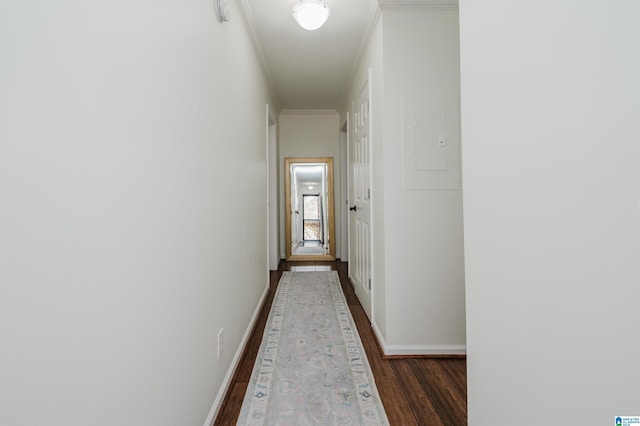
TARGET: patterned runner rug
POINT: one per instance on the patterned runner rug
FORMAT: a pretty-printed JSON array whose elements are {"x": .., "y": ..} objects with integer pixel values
[{"x": 311, "y": 367}]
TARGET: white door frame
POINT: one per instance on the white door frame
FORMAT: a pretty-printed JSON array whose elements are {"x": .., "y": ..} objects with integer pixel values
[
  {"x": 273, "y": 236},
  {"x": 344, "y": 191}
]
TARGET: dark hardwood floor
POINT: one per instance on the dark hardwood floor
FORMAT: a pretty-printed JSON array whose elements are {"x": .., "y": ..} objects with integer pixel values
[{"x": 417, "y": 391}]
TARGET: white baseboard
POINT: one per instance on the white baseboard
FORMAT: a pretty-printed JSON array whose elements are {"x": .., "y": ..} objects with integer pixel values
[
  {"x": 217, "y": 403},
  {"x": 378, "y": 334},
  {"x": 408, "y": 350}
]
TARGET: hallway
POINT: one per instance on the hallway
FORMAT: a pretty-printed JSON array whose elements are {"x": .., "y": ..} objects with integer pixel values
[
  {"x": 414, "y": 391},
  {"x": 137, "y": 148}
]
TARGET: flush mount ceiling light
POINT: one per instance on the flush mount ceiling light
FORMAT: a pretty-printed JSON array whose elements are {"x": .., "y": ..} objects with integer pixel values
[{"x": 311, "y": 14}]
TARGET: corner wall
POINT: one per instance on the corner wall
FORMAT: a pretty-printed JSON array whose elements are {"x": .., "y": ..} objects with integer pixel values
[{"x": 122, "y": 250}]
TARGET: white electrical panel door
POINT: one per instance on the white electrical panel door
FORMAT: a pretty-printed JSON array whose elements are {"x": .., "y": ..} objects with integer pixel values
[
  {"x": 430, "y": 141},
  {"x": 429, "y": 129}
]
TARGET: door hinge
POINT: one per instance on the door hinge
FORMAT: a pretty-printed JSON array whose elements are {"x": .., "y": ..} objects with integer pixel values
[
  {"x": 369, "y": 284},
  {"x": 368, "y": 193}
]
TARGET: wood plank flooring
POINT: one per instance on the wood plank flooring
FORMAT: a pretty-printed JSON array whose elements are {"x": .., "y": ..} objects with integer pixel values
[{"x": 419, "y": 391}]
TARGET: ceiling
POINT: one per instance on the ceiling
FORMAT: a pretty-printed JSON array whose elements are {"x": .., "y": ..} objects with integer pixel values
[
  {"x": 309, "y": 69},
  {"x": 308, "y": 173},
  {"x": 313, "y": 69}
]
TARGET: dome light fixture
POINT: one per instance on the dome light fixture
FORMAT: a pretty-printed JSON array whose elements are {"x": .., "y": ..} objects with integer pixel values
[{"x": 311, "y": 14}]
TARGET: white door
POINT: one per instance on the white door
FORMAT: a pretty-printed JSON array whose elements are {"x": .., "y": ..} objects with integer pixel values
[{"x": 359, "y": 201}]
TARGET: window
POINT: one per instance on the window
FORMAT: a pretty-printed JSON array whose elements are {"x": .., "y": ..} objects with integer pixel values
[{"x": 311, "y": 218}]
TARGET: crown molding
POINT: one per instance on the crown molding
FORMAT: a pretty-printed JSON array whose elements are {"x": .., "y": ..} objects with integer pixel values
[
  {"x": 308, "y": 112},
  {"x": 419, "y": 5},
  {"x": 372, "y": 21},
  {"x": 247, "y": 16}
]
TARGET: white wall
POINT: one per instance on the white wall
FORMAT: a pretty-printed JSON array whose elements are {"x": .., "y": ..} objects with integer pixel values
[
  {"x": 418, "y": 269},
  {"x": 423, "y": 228},
  {"x": 122, "y": 250},
  {"x": 551, "y": 160},
  {"x": 310, "y": 133}
]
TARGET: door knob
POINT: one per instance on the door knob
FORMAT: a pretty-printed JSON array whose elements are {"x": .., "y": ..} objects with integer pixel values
[{"x": 354, "y": 208}]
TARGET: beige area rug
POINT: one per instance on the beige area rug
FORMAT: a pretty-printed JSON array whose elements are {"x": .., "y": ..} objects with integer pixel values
[{"x": 311, "y": 367}]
